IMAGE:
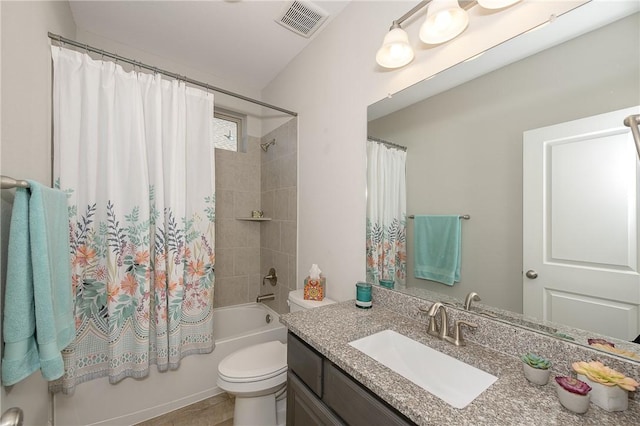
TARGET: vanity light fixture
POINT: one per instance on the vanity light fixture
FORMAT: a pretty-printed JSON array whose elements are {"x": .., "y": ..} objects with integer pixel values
[
  {"x": 445, "y": 21},
  {"x": 395, "y": 51},
  {"x": 496, "y": 4},
  {"x": 633, "y": 122}
]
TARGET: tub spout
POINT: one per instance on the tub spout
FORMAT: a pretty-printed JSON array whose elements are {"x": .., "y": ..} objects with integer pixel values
[{"x": 269, "y": 296}]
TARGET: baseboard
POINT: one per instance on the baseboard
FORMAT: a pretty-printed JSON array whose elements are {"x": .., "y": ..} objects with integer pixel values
[{"x": 150, "y": 413}]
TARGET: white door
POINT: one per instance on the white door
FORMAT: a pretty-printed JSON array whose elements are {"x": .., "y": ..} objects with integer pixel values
[{"x": 580, "y": 225}]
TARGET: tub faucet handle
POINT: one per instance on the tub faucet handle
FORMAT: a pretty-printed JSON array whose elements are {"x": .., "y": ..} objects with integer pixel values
[{"x": 271, "y": 276}]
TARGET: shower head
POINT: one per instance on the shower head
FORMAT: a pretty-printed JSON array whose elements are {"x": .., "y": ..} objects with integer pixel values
[{"x": 265, "y": 146}]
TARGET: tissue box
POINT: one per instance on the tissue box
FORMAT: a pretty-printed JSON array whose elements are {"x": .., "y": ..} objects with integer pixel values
[{"x": 314, "y": 289}]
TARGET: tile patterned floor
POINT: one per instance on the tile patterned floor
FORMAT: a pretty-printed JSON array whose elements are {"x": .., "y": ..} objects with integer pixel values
[{"x": 214, "y": 411}]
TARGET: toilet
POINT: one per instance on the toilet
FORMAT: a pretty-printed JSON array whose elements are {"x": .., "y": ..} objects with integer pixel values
[
  {"x": 296, "y": 301},
  {"x": 257, "y": 375}
]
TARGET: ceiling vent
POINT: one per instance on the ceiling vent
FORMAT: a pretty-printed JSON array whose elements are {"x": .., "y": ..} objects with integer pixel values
[{"x": 302, "y": 17}]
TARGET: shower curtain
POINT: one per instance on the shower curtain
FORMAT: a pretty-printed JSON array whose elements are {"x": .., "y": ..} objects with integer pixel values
[
  {"x": 386, "y": 214},
  {"x": 135, "y": 155}
]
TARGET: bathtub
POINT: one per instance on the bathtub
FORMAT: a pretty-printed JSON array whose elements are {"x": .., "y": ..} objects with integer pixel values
[
  {"x": 246, "y": 322},
  {"x": 133, "y": 401}
]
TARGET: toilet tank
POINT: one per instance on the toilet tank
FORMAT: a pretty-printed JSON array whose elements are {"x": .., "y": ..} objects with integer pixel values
[{"x": 297, "y": 303}]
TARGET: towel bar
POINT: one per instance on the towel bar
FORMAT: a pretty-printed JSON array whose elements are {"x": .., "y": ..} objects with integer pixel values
[
  {"x": 462, "y": 216},
  {"x": 7, "y": 182}
]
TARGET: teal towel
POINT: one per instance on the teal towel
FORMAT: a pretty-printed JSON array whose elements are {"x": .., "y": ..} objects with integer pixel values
[
  {"x": 437, "y": 241},
  {"x": 20, "y": 357},
  {"x": 38, "y": 318}
]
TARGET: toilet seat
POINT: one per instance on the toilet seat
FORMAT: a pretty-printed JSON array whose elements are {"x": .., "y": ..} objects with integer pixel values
[
  {"x": 256, "y": 388},
  {"x": 255, "y": 363},
  {"x": 250, "y": 379}
]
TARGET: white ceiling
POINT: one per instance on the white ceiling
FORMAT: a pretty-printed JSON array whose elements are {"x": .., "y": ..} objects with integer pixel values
[{"x": 236, "y": 40}]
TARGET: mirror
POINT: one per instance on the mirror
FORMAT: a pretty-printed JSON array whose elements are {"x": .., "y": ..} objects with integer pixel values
[{"x": 462, "y": 158}]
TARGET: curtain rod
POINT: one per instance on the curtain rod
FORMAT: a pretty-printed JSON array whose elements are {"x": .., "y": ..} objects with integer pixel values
[
  {"x": 387, "y": 143},
  {"x": 184, "y": 78}
]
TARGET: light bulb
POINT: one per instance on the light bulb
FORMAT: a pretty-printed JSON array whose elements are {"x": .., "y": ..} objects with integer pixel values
[
  {"x": 443, "y": 20},
  {"x": 395, "y": 51},
  {"x": 496, "y": 4}
]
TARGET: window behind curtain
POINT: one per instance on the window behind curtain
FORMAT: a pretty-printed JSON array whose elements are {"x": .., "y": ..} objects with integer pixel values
[{"x": 229, "y": 130}]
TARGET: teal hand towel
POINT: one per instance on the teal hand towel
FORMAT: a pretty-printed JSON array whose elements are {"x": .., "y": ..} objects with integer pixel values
[
  {"x": 38, "y": 315},
  {"x": 437, "y": 241},
  {"x": 20, "y": 357},
  {"x": 50, "y": 259}
]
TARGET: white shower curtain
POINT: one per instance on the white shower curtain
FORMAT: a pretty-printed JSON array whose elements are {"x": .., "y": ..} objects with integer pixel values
[
  {"x": 386, "y": 214},
  {"x": 135, "y": 155}
]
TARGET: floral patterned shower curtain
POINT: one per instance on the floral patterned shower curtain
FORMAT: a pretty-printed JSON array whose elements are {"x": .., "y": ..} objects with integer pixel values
[
  {"x": 135, "y": 155},
  {"x": 386, "y": 214}
]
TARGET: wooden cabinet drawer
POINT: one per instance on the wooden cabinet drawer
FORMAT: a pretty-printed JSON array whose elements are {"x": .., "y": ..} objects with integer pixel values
[
  {"x": 304, "y": 408},
  {"x": 305, "y": 362},
  {"x": 355, "y": 404}
]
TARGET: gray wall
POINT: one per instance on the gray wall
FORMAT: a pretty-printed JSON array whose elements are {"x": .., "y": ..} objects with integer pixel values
[
  {"x": 465, "y": 147},
  {"x": 237, "y": 242},
  {"x": 26, "y": 136},
  {"x": 278, "y": 241},
  {"x": 245, "y": 250}
]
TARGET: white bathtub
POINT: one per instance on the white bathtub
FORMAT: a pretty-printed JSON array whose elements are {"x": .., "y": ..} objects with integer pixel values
[
  {"x": 132, "y": 401},
  {"x": 246, "y": 321}
]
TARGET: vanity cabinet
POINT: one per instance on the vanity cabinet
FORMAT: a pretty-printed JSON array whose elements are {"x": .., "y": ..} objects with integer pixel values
[
  {"x": 320, "y": 393},
  {"x": 304, "y": 408}
]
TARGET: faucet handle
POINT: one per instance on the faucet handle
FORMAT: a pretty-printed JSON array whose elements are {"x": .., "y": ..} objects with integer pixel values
[
  {"x": 457, "y": 331},
  {"x": 433, "y": 326}
]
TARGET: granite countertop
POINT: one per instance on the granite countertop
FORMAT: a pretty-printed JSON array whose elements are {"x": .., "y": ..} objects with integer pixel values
[{"x": 510, "y": 400}]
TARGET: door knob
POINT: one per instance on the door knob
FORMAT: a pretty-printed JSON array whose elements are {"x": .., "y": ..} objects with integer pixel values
[
  {"x": 531, "y": 274},
  {"x": 12, "y": 417}
]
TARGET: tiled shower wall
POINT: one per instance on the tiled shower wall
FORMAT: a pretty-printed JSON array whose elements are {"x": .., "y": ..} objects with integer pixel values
[
  {"x": 237, "y": 242},
  {"x": 245, "y": 250},
  {"x": 278, "y": 238}
]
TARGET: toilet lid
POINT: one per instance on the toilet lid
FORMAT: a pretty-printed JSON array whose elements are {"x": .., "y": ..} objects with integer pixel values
[{"x": 253, "y": 363}]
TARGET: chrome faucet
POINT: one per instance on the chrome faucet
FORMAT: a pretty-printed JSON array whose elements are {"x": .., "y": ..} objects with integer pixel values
[{"x": 471, "y": 297}]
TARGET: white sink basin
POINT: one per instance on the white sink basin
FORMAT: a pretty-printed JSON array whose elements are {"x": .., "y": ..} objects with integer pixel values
[{"x": 449, "y": 379}]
